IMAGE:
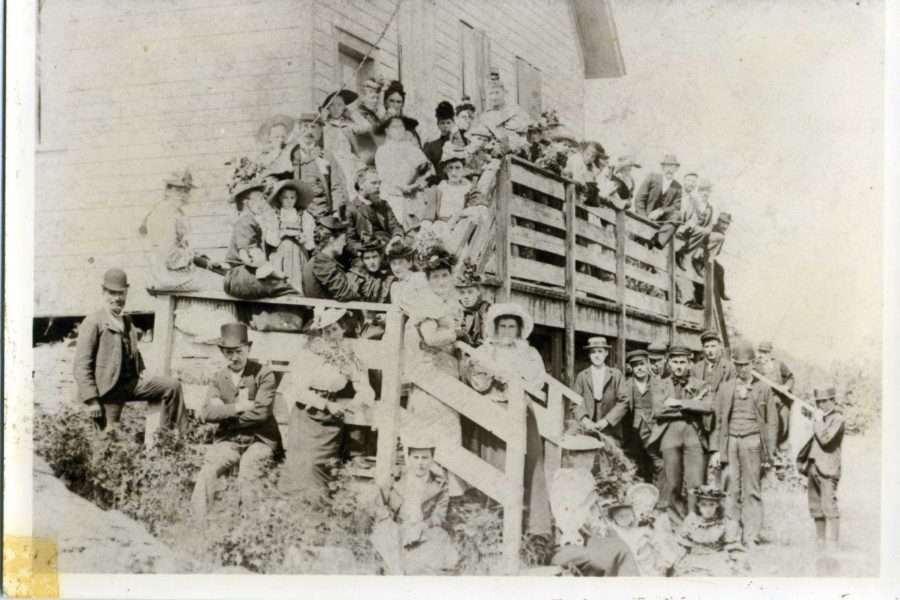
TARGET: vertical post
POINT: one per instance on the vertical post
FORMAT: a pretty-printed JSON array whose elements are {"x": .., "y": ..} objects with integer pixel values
[
  {"x": 504, "y": 195},
  {"x": 392, "y": 380},
  {"x": 621, "y": 328},
  {"x": 557, "y": 355},
  {"x": 709, "y": 296},
  {"x": 515, "y": 470},
  {"x": 569, "y": 313},
  {"x": 163, "y": 341},
  {"x": 673, "y": 290}
]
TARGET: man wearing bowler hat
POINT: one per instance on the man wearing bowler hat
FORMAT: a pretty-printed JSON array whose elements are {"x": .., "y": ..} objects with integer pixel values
[
  {"x": 713, "y": 368},
  {"x": 681, "y": 407},
  {"x": 639, "y": 395},
  {"x": 603, "y": 403},
  {"x": 820, "y": 461},
  {"x": 240, "y": 400},
  {"x": 108, "y": 367},
  {"x": 776, "y": 371},
  {"x": 659, "y": 197},
  {"x": 744, "y": 440},
  {"x": 323, "y": 275}
]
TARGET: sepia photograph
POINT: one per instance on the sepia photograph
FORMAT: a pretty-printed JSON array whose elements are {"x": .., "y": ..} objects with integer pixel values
[{"x": 538, "y": 288}]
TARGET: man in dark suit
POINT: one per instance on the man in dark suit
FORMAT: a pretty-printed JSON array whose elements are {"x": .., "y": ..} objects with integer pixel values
[
  {"x": 745, "y": 439},
  {"x": 323, "y": 275},
  {"x": 434, "y": 149},
  {"x": 108, "y": 367},
  {"x": 240, "y": 399},
  {"x": 659, "y": 199},
  {"x": 603, "y": 403},
  {"x": 639, "y": 394},
  {"x": 368, "y": 216},
  {"x": 681, "y": 405},
  {"x": 713, "y": 368}
]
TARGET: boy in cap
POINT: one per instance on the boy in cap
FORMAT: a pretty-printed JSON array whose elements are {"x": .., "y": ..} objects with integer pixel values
[
  {"x": 639, "y": 396},
  {"x": 820, "y": 461},
  {"x": 108, "y": 367},
  {"x": 240, "y": 400},
  {"x": 656, "y": 354},
  {"x": 776, "y": 371},
  {"x": 682, "y": 406},
  {"x": 604, "y": 404},
  {"x": 713, "y": 368},
  {"x": 744, "y": 440},
  {"x": 323, "y": 275}
]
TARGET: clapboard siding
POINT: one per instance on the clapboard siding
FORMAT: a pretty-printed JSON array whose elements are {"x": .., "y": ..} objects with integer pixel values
[{"x": 132, "y": 90}]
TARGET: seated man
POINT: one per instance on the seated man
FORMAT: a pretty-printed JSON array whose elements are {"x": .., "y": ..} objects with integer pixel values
[
  {"x": 368, "y": 215},
  {"x": 586, "y": 542},
  {"x": 409, "y": 532},
  {"x": 108, "y": 367},
  {"x": 240, "y": 399},
  {"x": 701, "y": 243},
  {"x": 323, "y": 275}
]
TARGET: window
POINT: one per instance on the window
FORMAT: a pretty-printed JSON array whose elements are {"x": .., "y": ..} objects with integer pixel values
[
  {"x": 528, "y": 88},
  {"x": 354, "y": 60},
  {"x": 475, "y": 49}
]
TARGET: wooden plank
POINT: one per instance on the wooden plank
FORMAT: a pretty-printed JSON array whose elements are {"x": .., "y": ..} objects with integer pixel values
[
  {"x": 659, "y": 280},
  {"x": 515, "y": 470},
  {"x": 592, "y": 285},
  {"x": 477, "y": 472},
  {"x": 531, "y": 238},
  {"x": 621, "y": 318},
  {"x": 534, "y": 211},
  {"x": 689, "y": 315},
  {"x": 293, "y": 301},
  {"x": 594, "y": 256},
  {"x": 654, "y": 258},
  {"x": 652, "y": 305},
  {"x": 606, "y": 213},
  {"x": 524, "y": 176},
  {"x": 595, "y": 233},
  {"x": 465, "y": 401},
  {"x": 570, "y": 281},
  {"x": 640, "y": 227},
  {"x": 391, "y": 385},
  {"x": 670, "y": 252},
  {"x": 547, "y": 274},
  {"x": 504, "y": 221}
]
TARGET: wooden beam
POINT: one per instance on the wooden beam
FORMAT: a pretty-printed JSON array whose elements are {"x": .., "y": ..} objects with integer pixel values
[
  {"x": 163, "y": 341},
  {"x": 515, "y": 470},
  {"x": 504, "y": 222},
  {"x": 621, "y": 324},
  {"x": 391, "y": 384},
  {"x": 570, "y": 283},
  {"x": 673, "y": 290}
]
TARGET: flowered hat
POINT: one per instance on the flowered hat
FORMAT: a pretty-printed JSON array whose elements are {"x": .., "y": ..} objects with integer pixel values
[
  {"x": 468, "y": 275},
  {"x": 400, "y": 249},
  {"x": 451, "y": 152},
  {"x": 323, "y": 316},
  {"x": 435, "y": 257},
  {"x": 708, "y": 492},
  {"x": 262, "y": 134}
]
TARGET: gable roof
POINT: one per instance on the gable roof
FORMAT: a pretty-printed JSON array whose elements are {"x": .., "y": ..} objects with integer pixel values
[{"x": 599, "y": 41}]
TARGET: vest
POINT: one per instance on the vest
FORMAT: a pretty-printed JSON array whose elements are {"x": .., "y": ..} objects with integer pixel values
[
  {"x": 642, "y": 403},
  {"x": 743, "y": 414}
]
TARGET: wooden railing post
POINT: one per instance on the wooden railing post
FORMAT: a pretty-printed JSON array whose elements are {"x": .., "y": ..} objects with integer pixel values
[
  {"x": 621, "y": 329},
  {"x": 673, "y": 290},
  {"x": 571, "y": 297},
  {"x": 515, "y": 469},
  {"x": 163, "y": 341},
  {"x": 392, "y": 381},
  {"x": 504, "y": 223}
]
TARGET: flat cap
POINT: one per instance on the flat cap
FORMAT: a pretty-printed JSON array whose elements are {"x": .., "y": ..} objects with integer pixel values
[
  {"x": 709, "y": 334},
  {"x": 680, "y": 351},
  {"x": 636, "y": 355},
  {"x": 824, "y": 393},
  {"x": 657, "y": 348}
]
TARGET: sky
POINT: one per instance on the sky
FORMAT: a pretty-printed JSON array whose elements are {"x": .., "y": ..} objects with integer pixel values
[{"x": 780, "y": 105}]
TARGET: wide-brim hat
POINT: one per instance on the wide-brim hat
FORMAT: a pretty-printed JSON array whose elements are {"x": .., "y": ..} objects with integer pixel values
[
  {"x": 561, "y": 133},
  {"x": 578, "y": 442},
  {"x": 233, "y": 335},
  {"x": 480, "y": 130},
  {"x": 765, "y": 346},
  {"x": 670, "y": 159},
  {"x": 309, "y": 118},
  {"x": 323, "y": 316},
  {"x": 400, "y": 249},
  {"x": 409, "y": 124},
  {"x": 451, "y": 152},
  {"x": 371, "y": 244},
  {"x": 241, "y": 189},
  {"x": 349, "y": 97},
  {"x": 372, "y": 84},
  {"x": 824, "y": 393},
  {"x": 647, "y": 492},
  {"x": 181, "y": 179},
  {"x": 115, "y": 280},
  {"x": 262, "y": 134},
  {"x": 708, "y": 492},
  {"x": 680, "y": 351},
  {"x": 636, "y": 355},
  {"x": 508, "y": 309},
  {"x": 611, "y": 506},
  {"x": 708, "y": 335},
  {"x": 596, "y": 343},
  {"x": 304, "y": 191}
]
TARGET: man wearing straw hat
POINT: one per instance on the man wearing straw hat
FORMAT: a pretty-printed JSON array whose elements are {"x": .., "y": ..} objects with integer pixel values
[
  {"x": 240, "y": 399},
  {"x": 108, "y": 366},
  {"x": 604, "y": 404}
]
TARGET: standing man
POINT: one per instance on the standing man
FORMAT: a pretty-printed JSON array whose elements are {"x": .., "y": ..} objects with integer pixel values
[
  {"x": 656, "y": 354},
  {"x": 744, "y": 441},
  {"x": 323, "y": 275},
  {"x": 777, "y": 372},
  {"x": 638, "y": 393},
  {"x": 367, "y": 109},
  {"x": 240, "y": 400},
  {"x": 820, "y": 461},
  {"x": 713, "y": 368},
  {"x": 604, "y": 404},
  {"x": 108, "y": 367},
  {"x": 681, "y": 404},
  {"x": 445, "y": 116}
]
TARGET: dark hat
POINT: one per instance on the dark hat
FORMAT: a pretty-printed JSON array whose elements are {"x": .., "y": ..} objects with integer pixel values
[
  {"x": 468, "y": 275},
  {"x": 680, "y": 351},
  {"x": 400, "y": 250},
  {"x": 115, "y": 280},
  {"x": 636, "y": 355},
  {"x": 370, "y": 244},
  {"x": 444, "y": 111},
  {"x": 610, "y": 507},
  {"x": 724, "y": 219},
  {"x": 597, "y": 342},
  {"x": 347, "y": 96},
  {"x": 233, "y": 335},
  {"x": 464, "y": 105},
  {"x": 333, "y": 224},
  {"x": 657, "y": 349},
  {"x": 394, "y": 87},
  {"x": 669, "y": 159},
  {"x": 765, "y": 346},
  {"x": 824, "y": 393},
  {"x": 304, "y": 192},
  {"x": 709, "y": 492},
  {"x": 437, "y": 257},
  {"x": 409, "y": 123},
  {"x": 743, "y": 354},
  {"x": 709, "y": 334},
  {"x": 181, "y": 179}
]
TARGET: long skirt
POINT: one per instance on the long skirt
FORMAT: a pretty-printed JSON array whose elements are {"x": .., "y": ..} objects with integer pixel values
[
  {"x": 433, "y": 554},
  {"x": 241, "y": 283},
  {"x": 313, "y": 445},
  {"x": 289, "y": 258}
]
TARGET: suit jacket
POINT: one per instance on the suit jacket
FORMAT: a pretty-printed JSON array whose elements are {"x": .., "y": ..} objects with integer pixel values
[
  {"x": 611, "y": 404},
  {"x": 649, "y": 196},
  {"x": 327, "y": 181},
  {"x": 324, "y": 277},
  {"x": 628, "y": 389},
  {"x": 766, "y": 417},
  {"x": 696, "y": 412},
  {"x": 260, "y": 383},
  {"x": 433, "y": 150},
  {"x": 824, "y": 446},
  {"x": 98, "y": 354},
  {"x": 370, "y": 220},
  {"x": 724, "y": 370},
  {"x": 435, "y": 500}
]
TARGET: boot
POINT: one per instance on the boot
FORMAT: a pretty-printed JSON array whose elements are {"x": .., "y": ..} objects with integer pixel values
[
  {"x": 679, "y": 260},
  {"x": 832, "y": 533},
  {"x": 820, "y": 531}
]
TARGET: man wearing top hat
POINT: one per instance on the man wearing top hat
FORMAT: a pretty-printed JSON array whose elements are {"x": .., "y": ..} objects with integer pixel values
[
  {"x": 713, "y": 368},
  {"x": 744, "y": 441},
  {"x": 820, "y": 461},
  {"x": 776, "y": 371},
  {"x": 323, "y": 275},
  {"x": 108, "y": 367},
  {"x": 368, "y": 215},
  {"x": 318, "y": 168},
  {"x": 682, "y": 407},
  {"x": 240, "y": 399},
  {"x": 639, "y": 395},
  {"x": 659, "y": 197},
  {"x": 604, "y": 404}
]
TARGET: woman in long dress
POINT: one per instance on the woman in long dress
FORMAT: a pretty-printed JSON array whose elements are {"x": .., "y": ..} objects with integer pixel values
[
  {"x": 404, "y": 169},
  {"x": 293, "y": 229}
]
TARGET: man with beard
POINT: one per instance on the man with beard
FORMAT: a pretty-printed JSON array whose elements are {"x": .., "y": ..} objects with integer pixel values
[
  {"x": 368, "y": 215},
  {"x": 108, "y": 367},
  {"x": 318, "y": 168}
]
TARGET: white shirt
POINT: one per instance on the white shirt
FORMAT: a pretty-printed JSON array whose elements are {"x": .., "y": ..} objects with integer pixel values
[
  {"x": 666, "y": 183},
  {"x": 598, "y": 374},
  {"x": 236, "y": 378}
]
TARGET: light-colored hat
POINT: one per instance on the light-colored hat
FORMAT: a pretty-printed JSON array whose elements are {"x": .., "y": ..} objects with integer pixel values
[
  {"x": 451, "y": 151},
  {"x": 561, "y": 133},
  {"x": 627, "y": 160},
  {"x": 480, "y": 130},
  {"x": 643, "y": 492},
  {"x": 824, "y": 393},
  {"x": 578, "y": 442},
  {"x": 670, "y": 159},
  {"x": 181, "y": 179},
  {"x": 708, "y": 492},
  {"x": 508, "y": 309},
  {"x": 765, "y": 346},
  {"x": 262, "y": 134},
  {"x": 323, "y": 316},
  {"x": 372, "y": 83},
  {"x": 597, "y": 342},
  {"x": 417, "y": 437}
]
